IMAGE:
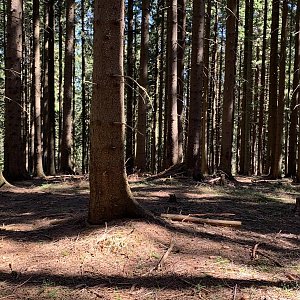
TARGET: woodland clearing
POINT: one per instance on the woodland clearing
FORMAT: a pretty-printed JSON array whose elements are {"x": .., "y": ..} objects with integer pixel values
[{"x": 49, "y": 252}]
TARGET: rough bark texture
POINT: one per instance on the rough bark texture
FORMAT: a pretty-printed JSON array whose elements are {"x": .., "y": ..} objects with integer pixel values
[
  {"x": 247, "y": 91},
  {"x": 262, "y": 94},
  {"x": 180, "y": 72},
  {"x": 273, "y": 85},
  {"x": 229, "y": 88},
  {"x": 172, "y": 115},
  {"x": 14, "y": 158},
  {"x": 295, "y": 100},
  {"x": 36, "y": 92},
  {"x": 49, "y": 91},
  {"x": 66, "y": 146},
  {"x": 275, "y": 171},
  {"x": 84, "y": 162},
  {"x": 140, "y": 160},
  {"x": 110, "y": 195},
  {"x": 129, "y": 91},
  {"x": 194, "y": 130}
]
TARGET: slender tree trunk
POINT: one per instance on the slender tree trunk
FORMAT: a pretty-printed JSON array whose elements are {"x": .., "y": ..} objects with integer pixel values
[
  {"x": 262, "y": 94},
  {"x": 50, "y": 125},
  {"x": 295, "y": 100},
  {"x": 276, "y": 163},
  {"x": 193, "y": 155},
  {"x": 110, "y": 195},
  {"x": 36, "y": 92},
  {"x": 66, "y": 146},
  {"x": 247, "y": 91},
  {"x": 206, "y": 107},
  {"x": 83, "y": 93},
  {"x": 129, "y": 90},
  {"x": 14, "y": 159},
  {"x": 180, "y": 72},
  {"x": 140, "y": 160},
  {"x": 229, "y": 88},
  {"x": 273, "y": 86},
  {"x": 60, "y": 78},
  {"x": 172, "y": 157},
  {"x": 161, "y": 88}
]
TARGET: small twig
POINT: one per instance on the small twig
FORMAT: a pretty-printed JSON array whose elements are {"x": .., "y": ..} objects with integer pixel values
[
  {"x": 162, "y": 259},
  {"x": 165, "y": 256},
  {"x": 234, "y": 292}
]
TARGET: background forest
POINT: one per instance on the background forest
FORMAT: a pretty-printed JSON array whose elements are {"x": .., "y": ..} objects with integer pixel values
[{"x": 213, "y": 84}]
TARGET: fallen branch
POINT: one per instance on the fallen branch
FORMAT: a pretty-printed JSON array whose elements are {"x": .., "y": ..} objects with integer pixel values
[
  {"x": 189, "y": 218},
  {"x": 162, "y": 259}
]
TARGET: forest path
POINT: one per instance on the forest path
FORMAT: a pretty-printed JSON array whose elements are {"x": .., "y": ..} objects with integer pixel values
[{"x": 48, "y": 252}]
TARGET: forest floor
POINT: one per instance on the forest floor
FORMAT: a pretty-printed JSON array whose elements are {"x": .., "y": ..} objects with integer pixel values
[{"x": 48, "y": 252}]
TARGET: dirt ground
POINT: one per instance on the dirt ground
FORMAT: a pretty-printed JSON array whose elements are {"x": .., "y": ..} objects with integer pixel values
[{"x": 47, "y": 251}]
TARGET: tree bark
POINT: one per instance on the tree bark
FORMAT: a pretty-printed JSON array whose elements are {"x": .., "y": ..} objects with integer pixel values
[
  {"x": 275, "y": 171},
  {"x": 273, "y": 87},
  {"x": 36, "y": 92},
  {"x": 247, "y": 91},
  {"x": 262, "y": 94},
  {"x": 110, "y": 195},
  {"x": 172, "y": 156},
  {"x": 292, "y": 163},
  {"x": 14, "y": 158},
  {"x": 196, "y": 101},
  {"x": 141, "y": 138},
  {"x": 66, "y": 145},
  {"x": 229, "y": 88},
  {"x": 129, "y": 90},
  {"x": 180, "y": 73}
]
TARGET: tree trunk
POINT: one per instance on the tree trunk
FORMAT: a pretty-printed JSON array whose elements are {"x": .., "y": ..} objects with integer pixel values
[
  {"x": 172, "y": 157},
  {"x": 180, "y": 73},
  {"x": 36, "y": 92},
  {"x": 262, "y": 94},
  {"x": 295, "y": 100},
  {"x": 276, "y": 163},
  {"x": 247, "y": 91},
  {"x": 84, "y": 161},
  {"x": 110, "y": 195},
  {"x": 50, "y": 98},
  {"x": 229, "y": 88},
  {"x": 66, "y": 145},
  {"x": 14, "y": 159},
  {"x": 140, "y": 160},
  {"x": 196, "y": 101},
  {"x": 129, "y": 91},
  {"x": 273, "y": 86}
]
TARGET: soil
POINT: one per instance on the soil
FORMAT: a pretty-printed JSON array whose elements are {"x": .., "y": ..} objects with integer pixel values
[{"x": 47, "y": 251}]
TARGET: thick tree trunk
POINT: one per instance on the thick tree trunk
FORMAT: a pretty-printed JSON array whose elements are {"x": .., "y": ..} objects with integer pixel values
[
  {"x": 14, "y": 159},
  {"x": 229, "y": 88},
  {"x": 110, "y": 195},
  {"x": 140, "y": 160},
  {"x": 196, "y": 101},
  {"x": 66, "y": 145}
]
